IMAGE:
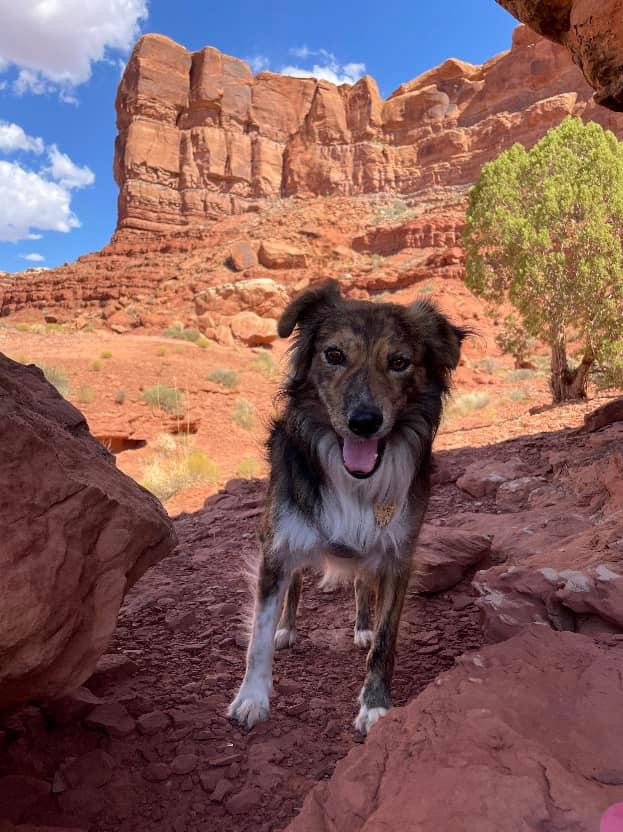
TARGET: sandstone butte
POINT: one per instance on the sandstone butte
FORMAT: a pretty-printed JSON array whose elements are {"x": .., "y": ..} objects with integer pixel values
[
  {"x": 210, "y": 158},
  {"x": 592, "y": 30}
]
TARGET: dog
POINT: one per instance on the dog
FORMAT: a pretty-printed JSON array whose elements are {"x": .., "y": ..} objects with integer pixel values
[{"x": 350, "y": 464}]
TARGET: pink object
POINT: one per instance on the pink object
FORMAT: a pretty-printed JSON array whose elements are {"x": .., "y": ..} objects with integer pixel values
[
  {"x": 360, "y": 454},
  {"x": 612, "y": 819}
]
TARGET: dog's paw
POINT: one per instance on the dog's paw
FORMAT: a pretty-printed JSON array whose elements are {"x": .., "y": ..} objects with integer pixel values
[
  {"x": 285, "y": 637},
  {"x": 363, "y": 638},
  {"x": 367, "y": 717},
  {"x": 249, "y": 707}
]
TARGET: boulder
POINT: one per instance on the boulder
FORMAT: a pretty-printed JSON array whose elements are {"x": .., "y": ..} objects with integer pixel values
[
  {"x": 261, "y": 295},
  {"x": 76, "y": 534},
  {"x": 242, "y": 256},
  {"x": 443, "y": 556},
  {"x": 483, "y": 480},
  {"x": 275, "y": 254},
  {"x": 253, "y": 330},
  {"x": 607, "y": 414},
  {"x": 519, "y": 736}
]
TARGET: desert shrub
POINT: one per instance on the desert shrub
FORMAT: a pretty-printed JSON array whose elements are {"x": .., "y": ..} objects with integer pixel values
[
  {"x": 514, "y": 340},
  {"x": 520, "y": 375},
  {"x": 466, "y": 403},
  {"x": 249, "y": 468},
  {"x": 517, "y": 394},
  {"x": 169, "y": 399},
  {"x": 165, "y": 444},
  {"x": 119, "y": 397},
  {"x": 487, "y": 365},
  {"x": 243, "y": 414},
  {"x": 224, "y": 377},
  {"x": 265, "y": 363},
  {"x": 57, "y": 378},
  {"x": 96, "y": 366},
  {"x": 85, "y": 395},
  {"x": 182, "y": 333},
  {"x": 166, "y": 475},
  {"x": 543, "y": 230},
  {"x": 106, "y": 354}
]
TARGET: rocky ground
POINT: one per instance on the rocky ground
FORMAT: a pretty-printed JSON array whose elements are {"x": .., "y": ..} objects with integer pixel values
[{"x": 147, "y": 742}]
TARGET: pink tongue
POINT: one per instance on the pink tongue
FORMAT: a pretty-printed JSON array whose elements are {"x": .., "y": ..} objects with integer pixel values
[{"x": 360, "y": 454}]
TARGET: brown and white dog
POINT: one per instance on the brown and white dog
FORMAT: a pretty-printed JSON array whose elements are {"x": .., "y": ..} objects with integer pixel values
[{"x": 350, "y": 462}]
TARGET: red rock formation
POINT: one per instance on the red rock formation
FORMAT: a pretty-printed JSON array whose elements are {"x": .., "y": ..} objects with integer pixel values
[
  {"x": 592, "y": 30},
  {"x": 518, "y": 736},
  {"x": 200, "y": 136},
  {"x": 76, "y": 534}
]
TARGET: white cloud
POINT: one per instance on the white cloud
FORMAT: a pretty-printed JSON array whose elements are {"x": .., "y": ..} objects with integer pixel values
[
  {"x": 36, "y": 200},
  {"x": 258, "y": 62},
  {"x": 331, "y": 71},
  {"x": 55, "y": 42},
  {"x": 29, "y": 200},
  {"x": 13, "y": 137},
  {"x": 33, "y": 258},
  {"x": 68, "y": 173}
]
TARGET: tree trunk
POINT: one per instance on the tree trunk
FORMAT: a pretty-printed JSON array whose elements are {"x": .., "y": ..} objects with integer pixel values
[{"x": 566, "y": 384}]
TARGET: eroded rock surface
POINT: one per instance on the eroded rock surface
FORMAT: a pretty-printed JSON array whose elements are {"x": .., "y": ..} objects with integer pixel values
[
  {"x": 519, "y": 736},
  {"x": 592, "y": 30},
  {"x": 201, "y": 137},
  {"x": 76, "y": 534}
]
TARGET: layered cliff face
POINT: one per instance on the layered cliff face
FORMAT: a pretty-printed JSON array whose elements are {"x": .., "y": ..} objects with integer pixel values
[
  {"x": 201, "y": 137},
  {"x": 592, "y": 30}
]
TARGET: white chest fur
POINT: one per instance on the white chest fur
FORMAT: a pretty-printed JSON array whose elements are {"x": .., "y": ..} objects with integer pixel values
[{"x": 347, "y": 517}]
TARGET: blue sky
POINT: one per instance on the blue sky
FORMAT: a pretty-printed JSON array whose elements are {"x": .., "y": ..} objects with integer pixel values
[{"x": 60, "y": 64}]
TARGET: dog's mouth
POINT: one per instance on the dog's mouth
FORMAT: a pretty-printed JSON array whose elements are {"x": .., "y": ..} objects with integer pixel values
[{"x": 361, "y": 457}]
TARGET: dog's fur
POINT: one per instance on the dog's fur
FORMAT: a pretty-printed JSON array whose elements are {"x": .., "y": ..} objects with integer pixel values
[{"x": 318, "y": 513}]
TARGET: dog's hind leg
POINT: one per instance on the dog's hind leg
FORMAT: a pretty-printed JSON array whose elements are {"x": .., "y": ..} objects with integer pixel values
[
  {"x": 252, "y": 701},
  {"x": 375, "y": 694},
  {"x": 286, "y": 631},
  {"x": 364, "y": 597}
]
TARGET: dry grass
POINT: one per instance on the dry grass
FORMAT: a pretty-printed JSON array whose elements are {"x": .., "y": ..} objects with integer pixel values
[
  {"x": 466, "y": 403},
  {"x": 56, "y": 378},
  {"x": 243, "y": 414},
  {"x": 249, "y": 468},
  {"x": 177, "y": 466},
  {"x": 85, "y": 395}
]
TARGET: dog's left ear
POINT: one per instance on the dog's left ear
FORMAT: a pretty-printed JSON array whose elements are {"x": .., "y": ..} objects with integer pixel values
[
  {"x": 442, "y": 340},
  {"x": 307, "y": 306}
]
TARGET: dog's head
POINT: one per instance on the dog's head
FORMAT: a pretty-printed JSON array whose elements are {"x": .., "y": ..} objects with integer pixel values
[{"x": 367, "y": 366}]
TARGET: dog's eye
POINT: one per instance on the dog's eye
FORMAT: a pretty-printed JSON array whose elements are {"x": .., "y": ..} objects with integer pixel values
[
  {"x": 334, "y": 356},
  {"x": 398, "y": 363}
]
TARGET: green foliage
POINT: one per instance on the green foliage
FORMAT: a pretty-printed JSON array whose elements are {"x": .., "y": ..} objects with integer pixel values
[
  {"x": 226, "y": 378},
  {"x": 169, "y": 399},
  {"x": 56, "y": 378},
  {"x": 514, "y": 340},
  {"x": 243, "y": 414},
  {"x": 544, "y": 231},
  {"x": 177, "y": 330}
]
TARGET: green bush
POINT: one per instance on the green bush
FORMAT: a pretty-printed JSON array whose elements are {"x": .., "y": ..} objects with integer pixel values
[
  {"x": 85, "y": 395},
  {"x": 182, "y": 333},
  {"x": 226, "y": 378},
  {"x": 249, "y": 468},
  {"x": 265, "y": 363},
  {"x": 169, "y": 399},
  {"x": 166, "y": 475}
]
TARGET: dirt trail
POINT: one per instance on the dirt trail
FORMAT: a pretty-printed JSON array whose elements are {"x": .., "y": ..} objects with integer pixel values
[{"x": 174, "y": 762}]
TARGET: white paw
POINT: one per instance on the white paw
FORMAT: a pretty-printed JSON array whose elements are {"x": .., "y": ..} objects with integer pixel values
[
  {"x": 367, "y": 717},
  {"x": 363, "y": 638},
  {"x": 284, "y": 637},
  {"x": 249, "y": 707}
]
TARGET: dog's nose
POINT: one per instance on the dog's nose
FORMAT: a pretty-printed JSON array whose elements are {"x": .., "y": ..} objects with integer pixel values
[{"x": 365, "y": 421}]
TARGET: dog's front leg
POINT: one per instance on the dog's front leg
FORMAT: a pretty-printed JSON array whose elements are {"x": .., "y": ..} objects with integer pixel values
[
  {"x": 251, "y": 704},
  {"x": 375, "y": 694}
]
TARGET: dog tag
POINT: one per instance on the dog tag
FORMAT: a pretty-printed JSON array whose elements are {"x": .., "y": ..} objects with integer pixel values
[{"x": 383, "y": 513}]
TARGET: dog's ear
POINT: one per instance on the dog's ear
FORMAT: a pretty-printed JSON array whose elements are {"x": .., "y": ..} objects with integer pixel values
[
  {"x": 307, "y": 306},
  {"x": 442, "y": 340}
]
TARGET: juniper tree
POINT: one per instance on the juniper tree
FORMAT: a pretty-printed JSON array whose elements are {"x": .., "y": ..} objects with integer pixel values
[{"x": 544, "y": 229}]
